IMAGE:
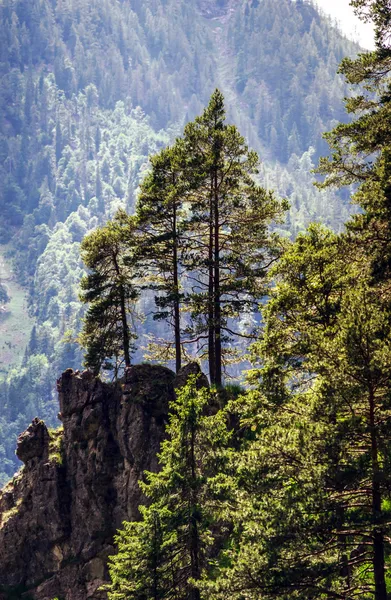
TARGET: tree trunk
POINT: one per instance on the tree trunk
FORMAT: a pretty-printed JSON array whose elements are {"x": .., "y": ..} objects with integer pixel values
[
  {"x": 343, "y": 548},
  {"x": 217, "y": 299},
  {"x": 125, "y": 329},
  {"x": 377, "y": 533},
  {"x": 211, "y": 315},
  {"x": 155, "y": 558},
  {"x": 177, "y": 319},
  {"x": 124, "y": 320},
  {"x": 194, "y": 533}
]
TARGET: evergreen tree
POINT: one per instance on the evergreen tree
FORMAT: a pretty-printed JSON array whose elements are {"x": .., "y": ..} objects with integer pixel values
[
  {"x": 379, "y": 12},
  {"x": 99, "y": 190},
  {"x": 137, "y": 572},
  {"x": 231, "y": 247},
  {"x": 110, "y": 291},
  {"x": 168, "y": 553},
  {"x": 59, "y": 142},
  {"x": 50, "y": 114},
  {"x": 160, "y": 214},
  {"x": 4, "y": 296},
  {"x": 313, "y": 507},
  {"x": 360, "y": 154}
]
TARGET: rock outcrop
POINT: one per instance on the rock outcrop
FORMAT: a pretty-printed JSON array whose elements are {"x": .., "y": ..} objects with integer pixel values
[{"x": 59, "y": 514}]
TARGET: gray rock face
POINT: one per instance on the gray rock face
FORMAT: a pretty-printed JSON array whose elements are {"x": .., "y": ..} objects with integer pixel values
[
  {"x": 191, "y": 370},
  {"x": 60, "y": 513},
  {"x": 33, "y": 443}
]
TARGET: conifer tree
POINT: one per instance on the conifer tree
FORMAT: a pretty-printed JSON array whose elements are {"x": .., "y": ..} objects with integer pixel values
[
  {"x": 99, "y": 190},
  {"x": 361, "y": 154},
  {"x": 110, "y": 291},
  {"x": 314, "y": 513},
  {"x": 4, "y": 297},
  {"x": 379, "y": 12},
  {"x": 206, "y": 235},
  {"x": 160, "y": 214},
  {"x": 232, "y": 247},
  {"x": 137, "y": 572},
  {"x": 168, "y": 553},
  {"x": 59, "y": 141}
]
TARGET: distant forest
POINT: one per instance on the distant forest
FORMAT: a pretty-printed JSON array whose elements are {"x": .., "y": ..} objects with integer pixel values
[{"x": 89, "y": 90}]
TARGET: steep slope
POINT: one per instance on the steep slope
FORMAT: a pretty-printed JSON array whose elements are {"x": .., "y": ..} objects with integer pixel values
[
  {"x": 90, "y": 88},
  {"x": 15, "y": 324}
]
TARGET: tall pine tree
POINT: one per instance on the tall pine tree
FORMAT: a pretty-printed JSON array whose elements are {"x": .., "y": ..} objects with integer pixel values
[
  {"x": 169, "y": 553},
  {"x": 160, "y": 215},
  {"x": 232, "y": 247},
  {"x": 110, "y": 291}
]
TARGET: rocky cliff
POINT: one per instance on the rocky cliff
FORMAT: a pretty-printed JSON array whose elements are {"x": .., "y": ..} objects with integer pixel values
[{"x": 59, "y": 514}]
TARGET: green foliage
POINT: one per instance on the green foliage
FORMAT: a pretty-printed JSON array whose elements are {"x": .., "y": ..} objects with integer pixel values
[
  {"x": 162, "y": 220},
  {"x": 56, "y": 439},
  {"x": 201, "y": 239},
  {"x": 111, "y": 294},
  {"x": 311, "y": 517},
  {"x": 26, "y": 392},
  {"x": 8, "y": 514},
  {"x": 377, "y": 11},
  {"x": 231, "y": 216},
  {"x": 4, "y": 297},
  {"x": 15, "y": 321},
  {"x": 54, "y": 281},
  {"x": 312, "y": 512},
  {"x": 285, "y": 75},
  {"x": 299, "y": 506},
  {"x": 310, "y": 496},
  {"x": 169, "y": 552}
]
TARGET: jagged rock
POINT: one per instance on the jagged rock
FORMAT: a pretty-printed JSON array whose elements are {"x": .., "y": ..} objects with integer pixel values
[
  {"x": 183, "y": 375},
  {"x": 59, "y": 514},
  {"x": 33, "y": 443}
]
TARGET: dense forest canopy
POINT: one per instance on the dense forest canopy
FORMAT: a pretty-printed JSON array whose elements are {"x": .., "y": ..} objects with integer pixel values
[{"x": 89, "y": 90}]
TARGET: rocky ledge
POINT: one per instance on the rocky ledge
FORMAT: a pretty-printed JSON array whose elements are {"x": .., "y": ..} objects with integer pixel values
[{"x": 58, "y": 516}]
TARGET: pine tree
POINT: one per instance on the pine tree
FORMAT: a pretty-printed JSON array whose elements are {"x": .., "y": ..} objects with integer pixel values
[
  {"x": 379, "y": 12},
  {"x": 59, "y": 141},
  {"x": 314, "y": 511},
  {"x": 110, "y": 291},
  {"x": 137, "y": 572},
  {"x": 160, "y": 214},
  {"x": 169, "y": 552},
  {"x": 99, "y": 190},
  {"x": 361, "y": 154},
  {"x": 4, "y": 296},
  {"x": 232, "y": 247}
]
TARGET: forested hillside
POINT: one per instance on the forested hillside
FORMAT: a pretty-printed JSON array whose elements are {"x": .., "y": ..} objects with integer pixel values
[
  {"x": 90, "y": 89},
  {"x": 282, "y": 490}
]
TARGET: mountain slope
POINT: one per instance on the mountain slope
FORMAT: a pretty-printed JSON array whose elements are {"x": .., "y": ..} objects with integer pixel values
[{"x": 90, "y": 88}]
